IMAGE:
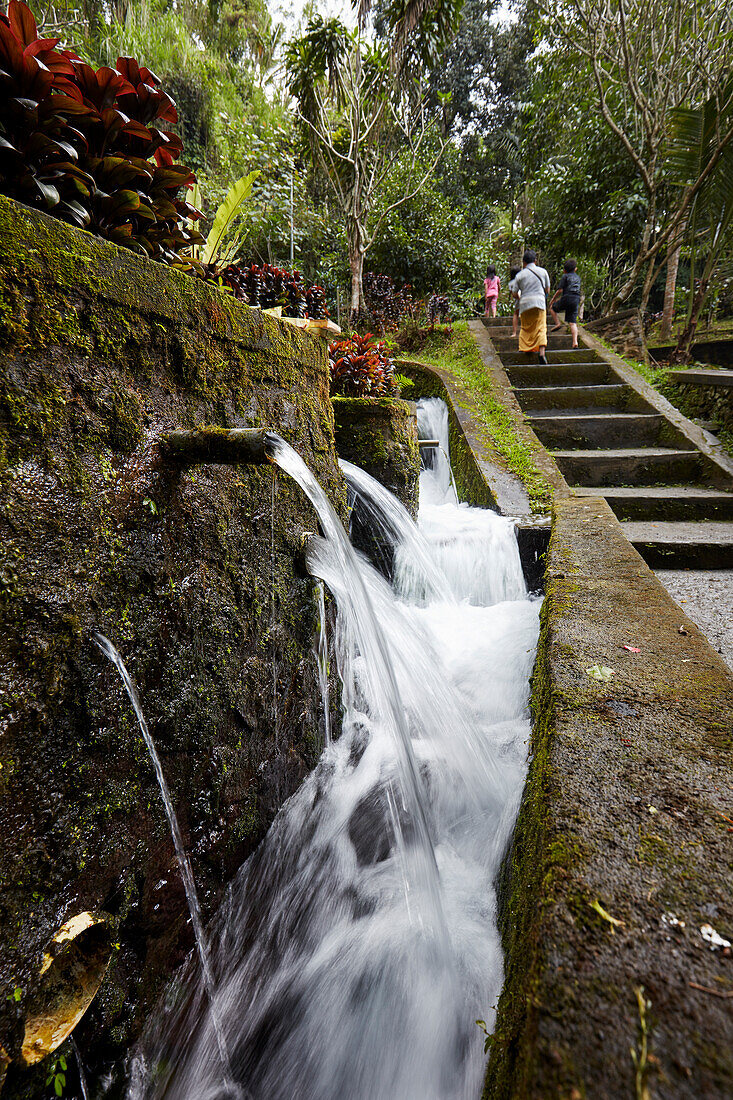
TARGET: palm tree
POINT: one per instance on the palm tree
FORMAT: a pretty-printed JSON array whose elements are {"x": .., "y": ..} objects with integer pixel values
[{"x": 694, "y": 141}]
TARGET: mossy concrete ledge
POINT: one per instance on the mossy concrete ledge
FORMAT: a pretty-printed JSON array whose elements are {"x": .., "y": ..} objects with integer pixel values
[
  {"x": 618, "y": 879},
  {"x": 191, "y": 572},
  {"x": 380, "y": 436}
]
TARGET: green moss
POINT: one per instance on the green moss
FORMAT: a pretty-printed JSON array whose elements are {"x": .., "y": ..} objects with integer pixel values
[{"x": 380, "y": 436}]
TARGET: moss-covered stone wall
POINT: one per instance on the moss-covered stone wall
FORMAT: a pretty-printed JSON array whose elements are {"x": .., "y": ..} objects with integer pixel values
[
  {"x": 620, "y": 865},
  {"x": 381, "y": 437},
  {"x": 193, "y": 574},
  {"x": 712, "y": 402}
]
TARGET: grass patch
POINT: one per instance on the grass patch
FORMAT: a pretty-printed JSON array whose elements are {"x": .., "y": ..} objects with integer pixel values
[{"x": 456, "y": 352}]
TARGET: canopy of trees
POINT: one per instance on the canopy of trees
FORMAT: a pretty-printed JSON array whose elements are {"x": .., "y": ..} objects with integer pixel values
[{"x": 438, "y": 136}]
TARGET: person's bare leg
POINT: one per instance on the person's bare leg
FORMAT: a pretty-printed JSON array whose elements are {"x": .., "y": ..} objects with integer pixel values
[
  {"x": 574, "y": 333},
  {"x": 556, "y": 326},
  {"x": 542, "y": 356},
  {"x": 515, "y": 324},
  {"x": 493, "y": 307}
]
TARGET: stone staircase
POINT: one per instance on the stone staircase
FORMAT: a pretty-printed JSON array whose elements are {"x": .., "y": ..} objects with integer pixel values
[{"x": 608, "y": 438}]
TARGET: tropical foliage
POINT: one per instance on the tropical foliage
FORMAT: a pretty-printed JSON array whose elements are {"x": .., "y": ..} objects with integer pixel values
[
  {"x": 361, "y": 367},
  {"x": 85, "y": 144},
  {"x": 436, "y": 138}
]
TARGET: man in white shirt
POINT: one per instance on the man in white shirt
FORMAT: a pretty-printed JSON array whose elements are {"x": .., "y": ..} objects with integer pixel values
[{"x": 532, "y": 285}]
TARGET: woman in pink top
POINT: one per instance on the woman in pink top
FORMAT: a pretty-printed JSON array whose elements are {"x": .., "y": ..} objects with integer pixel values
[{"x": 492, "y": 286}]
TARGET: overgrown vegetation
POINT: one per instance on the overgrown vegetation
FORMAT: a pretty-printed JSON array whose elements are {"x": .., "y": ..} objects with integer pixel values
[
  {"x": 478, "y": 142},
  {"x": 456, "y": 352}
]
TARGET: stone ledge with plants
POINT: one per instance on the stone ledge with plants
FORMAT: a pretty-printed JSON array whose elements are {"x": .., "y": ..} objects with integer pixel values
[{"x": 90, "y": 148}]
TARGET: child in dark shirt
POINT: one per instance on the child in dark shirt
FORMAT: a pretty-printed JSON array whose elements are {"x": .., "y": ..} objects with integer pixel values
[{"x": 568, "y": 294}]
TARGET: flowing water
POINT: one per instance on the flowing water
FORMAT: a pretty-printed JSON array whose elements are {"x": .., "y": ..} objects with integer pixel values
[
  {"x": 322, "y": 663},
  {"x": 358, "y": 945},
  {"x": 184, "y": 865}
]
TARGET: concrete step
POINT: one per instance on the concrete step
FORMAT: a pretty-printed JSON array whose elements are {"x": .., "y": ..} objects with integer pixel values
[
  {"x": 582, "y": 355},
  {"x": 664, "y": 502},
  {"x": 570, "y": 374},
  {"x": 507, "y": 342},
  {"x": 554, "y": 398},
  {"x": 502, "y": 321},
  {"x": 630, "y": 466},
  {"x": 600, "y": 430},
  {"x": 667, "y": 544}
]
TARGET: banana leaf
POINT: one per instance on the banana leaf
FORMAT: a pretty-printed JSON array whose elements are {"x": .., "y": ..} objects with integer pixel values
[{"x": 225, "y": 217}]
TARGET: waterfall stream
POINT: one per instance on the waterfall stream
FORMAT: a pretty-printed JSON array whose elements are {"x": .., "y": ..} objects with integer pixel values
[{"x": 357, "y": 946}]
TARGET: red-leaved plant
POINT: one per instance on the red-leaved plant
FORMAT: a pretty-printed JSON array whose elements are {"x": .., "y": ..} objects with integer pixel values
[
  {"x": 83, "y": 144},
  {"x": 361, "y": 367}
]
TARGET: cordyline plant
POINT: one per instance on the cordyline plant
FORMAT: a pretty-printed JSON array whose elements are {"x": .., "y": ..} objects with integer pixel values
[
  {"x": 84, "y": 144},
  {"x": 361, "y": 367},
  {"x": 266, "y": 287},
  {"x": 390, "y": 308}
]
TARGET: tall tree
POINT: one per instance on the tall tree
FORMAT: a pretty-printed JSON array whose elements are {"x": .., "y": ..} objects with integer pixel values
[
  {"x": 358, "y": 118},
  {"x": 645, "y": 60}
]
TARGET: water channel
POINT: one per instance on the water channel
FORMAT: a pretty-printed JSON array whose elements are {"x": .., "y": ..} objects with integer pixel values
[{"x": 357, "y": 946}]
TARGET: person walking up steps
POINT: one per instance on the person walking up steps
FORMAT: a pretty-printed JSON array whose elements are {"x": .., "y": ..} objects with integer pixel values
[
  {"x": 492, "y": 286},
  {"x": 568, "y": 294},
  {"x": 532, "y": 287},
  {"x": 513, "y": 272}
]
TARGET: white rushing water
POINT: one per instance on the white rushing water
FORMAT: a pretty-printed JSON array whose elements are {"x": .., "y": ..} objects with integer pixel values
[{"x": 358, "y": 945}]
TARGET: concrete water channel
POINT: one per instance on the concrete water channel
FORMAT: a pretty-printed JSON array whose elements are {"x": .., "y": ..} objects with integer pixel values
[{"x": 615, "y": 898}]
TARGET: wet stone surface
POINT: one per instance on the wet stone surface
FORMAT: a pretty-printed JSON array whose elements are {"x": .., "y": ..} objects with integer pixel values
[
  {"x": 195, "y": 574},
  {"x": 707, "y": 597}
]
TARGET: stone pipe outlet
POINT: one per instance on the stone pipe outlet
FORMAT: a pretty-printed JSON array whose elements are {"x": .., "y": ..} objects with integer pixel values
[{"x": 226, "y": 446}]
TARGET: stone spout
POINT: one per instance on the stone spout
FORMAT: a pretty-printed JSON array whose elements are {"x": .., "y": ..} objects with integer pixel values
[{"x": 228, "y": 446}]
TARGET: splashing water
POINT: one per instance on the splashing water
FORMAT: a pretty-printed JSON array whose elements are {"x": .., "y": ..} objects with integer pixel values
[
  {"x": 184, "y": 864},
  {"x": 358, "y": 944},
  {"x": 416, "y": 576},
  {"x": 438, "y": 487},
  {"x": 474, "y": 547}
]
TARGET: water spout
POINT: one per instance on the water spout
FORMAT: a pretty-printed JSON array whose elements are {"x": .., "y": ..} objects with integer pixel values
[
  {"x": 229, "y": 446},
  {"x": 184, "y": 864}
]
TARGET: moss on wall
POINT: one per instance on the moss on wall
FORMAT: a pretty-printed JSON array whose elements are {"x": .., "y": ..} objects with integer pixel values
[
  {"x": 193, "y": 574},
  {"x": 380, "y": 436}
]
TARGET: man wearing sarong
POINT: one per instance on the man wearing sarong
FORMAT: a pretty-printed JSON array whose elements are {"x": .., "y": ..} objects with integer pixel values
[{"x": 532, "y": 285}]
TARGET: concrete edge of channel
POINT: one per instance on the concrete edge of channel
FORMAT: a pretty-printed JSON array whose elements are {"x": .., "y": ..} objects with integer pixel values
[{"x": 614, "y": 897}]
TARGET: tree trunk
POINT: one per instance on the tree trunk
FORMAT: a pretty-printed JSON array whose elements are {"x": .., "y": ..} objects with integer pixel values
[
  {"x": 357, "y": 249},
  {"x": 683, "y": 351},
  {"x": 647, "y": 289},
  {"x": 673, "y": 263}
]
